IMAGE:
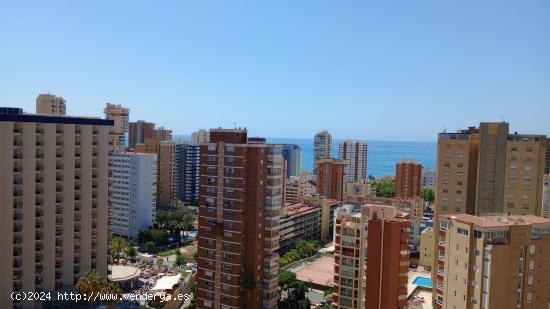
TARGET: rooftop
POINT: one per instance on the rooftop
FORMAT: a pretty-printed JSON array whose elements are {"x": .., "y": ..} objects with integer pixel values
[{"x": 498, "y": 221}]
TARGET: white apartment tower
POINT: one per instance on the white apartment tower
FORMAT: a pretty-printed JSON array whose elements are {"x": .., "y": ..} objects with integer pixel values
[
  {"x": 132, "y": 199},
  {"x": 355, "y": 154}
]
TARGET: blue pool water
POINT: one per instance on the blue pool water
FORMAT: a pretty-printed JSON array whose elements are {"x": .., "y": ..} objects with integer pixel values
[{"x": 423, "y": 281}]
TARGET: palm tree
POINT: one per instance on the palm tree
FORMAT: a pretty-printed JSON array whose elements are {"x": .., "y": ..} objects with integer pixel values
[
  {"x": 91, "y": 283},
  {"x": 118, "y": 244},
  {"x": 130, "y": 251},
  {"x": 114, "y": 291}
]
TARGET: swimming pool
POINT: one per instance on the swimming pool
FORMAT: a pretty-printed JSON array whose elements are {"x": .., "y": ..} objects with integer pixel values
[{"x": 423, "y": 282}]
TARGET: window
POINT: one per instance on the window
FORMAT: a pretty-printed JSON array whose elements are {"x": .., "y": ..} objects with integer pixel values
[
  {"x": 210, "y": 169},
  {"x": 462, "y": 231},
  {"x": 230, "y": 170},
  {"x": 208, "y": 273},
  {"x": 230, "y": 159},
  {"x": 228, "y": 234},
  {"x": 211, "y": 147},
  {"x": 230, "y": 148},
  {"x": 211, "y": 158},
  {"x": 227, "y": 266},
  {"x": 210, "y": 189},
  {"x": 478, "y": 234}
]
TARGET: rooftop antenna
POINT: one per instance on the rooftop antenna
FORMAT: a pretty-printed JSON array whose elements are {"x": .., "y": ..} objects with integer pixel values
[
  {"x": 235, "y": 125},
  {"x": 502, "y": 117}
]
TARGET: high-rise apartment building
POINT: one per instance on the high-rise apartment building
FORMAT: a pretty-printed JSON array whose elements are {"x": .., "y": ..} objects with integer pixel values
[
  {"x": 350, "y": 241},
  {"x": 162, "y": 134},
  {"x": 50, "y": 104},
  {"x": 54, "y": 190},
  {"x": 492, "y": 262},
  {"x": 297, "y": 188},
  {"x": 428, "y": 178},
  {"x": 168, "y": 178},
  {"x": 200, "y": 136},
  {"x": 408, "y": 179},
  {"x": 292, "y": 156},
  {"x": 377, "y": 279},
  {"x": 139, "y": 132},
  {"x": 487, "y": 171},
  {"x": 120, "y": 116},
  {"x": 547, "y": 163},
  {"x": 388, "y": 257},
  {"x": 355, "y": 155},
  {"x": 322, "y": 147},
  {"x": 545, "y": 196},
  {"x": 330, "y": 178},
  {"x": 132, "y": 192},
  {"x": 188, "y": 171},
  {"x": 240, "y": 203}
]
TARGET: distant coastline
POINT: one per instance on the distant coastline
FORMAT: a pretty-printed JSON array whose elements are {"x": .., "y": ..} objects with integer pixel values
[{"x": 381, "y": 157}]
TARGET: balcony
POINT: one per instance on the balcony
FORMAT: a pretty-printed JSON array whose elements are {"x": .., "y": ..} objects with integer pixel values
[
  {"x": 17, "y": 130},
  {"x": 39, "y": 167},
  {"x": 17, "y": 192},
  {"x": 17, "y": 156},
  {"x": 17, "y": 216},
  {"x": 17, "y": 169},
  {"x": 39, "y": 155},
  {"x": 39, "y": 131},
  {"x": 17, "y": 204}
]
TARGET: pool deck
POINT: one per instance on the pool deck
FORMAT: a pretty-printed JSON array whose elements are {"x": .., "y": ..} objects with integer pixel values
[{"x": 419, "y": 290}]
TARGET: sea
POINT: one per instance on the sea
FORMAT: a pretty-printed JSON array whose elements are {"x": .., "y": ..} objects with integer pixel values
[{"x": 381, "y": 155}]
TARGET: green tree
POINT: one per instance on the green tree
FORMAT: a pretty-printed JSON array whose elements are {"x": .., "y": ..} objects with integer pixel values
[
  {"x": 91, "y": 283},
  {"x": 150, "y": 247},
  {"x": 385, "y": 188},
  {"x": 131, "y": 252},
  {"x": 118, "y": 244},
  {"x": 286, "y": 278},
  {"x": 296, "y": 297},
  {"x": 428, "y": 195},
  {"x": 111, "y": 289},
  {"x": 180, "y": 259}
]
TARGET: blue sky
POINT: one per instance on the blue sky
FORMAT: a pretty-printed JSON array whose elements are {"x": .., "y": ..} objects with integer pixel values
[{"x": 379, "y": 70}]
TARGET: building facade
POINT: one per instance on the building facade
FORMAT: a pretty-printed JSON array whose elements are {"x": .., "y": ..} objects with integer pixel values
[
  {"x": 428, "y": 178},
  {"x": 200, "y": 136},
  {"x": 377, "y": 279},
  {"x": 237, "y": 249},
  {"x": 132, "y": 192},
  {"x": 545, "y": 196},
  {"x": 357, "y": 190},
  {"x": 426, "y": 248},
  {"x": 120, "y": 117},
  {"x": 355, "y": 155},
  {"x": 139, "y": 132},
  {"x": 330, "y": 178},
  {"x": 492, "y": 262},
  {"x": 297, "y": 188},
  {"x": 388, "y": 257},
  {"x": 298, "y": 222},
  {"x": 322, "y": 147},
  {"x": 188, "y": 172},
  {"x": 54, "y": 188},
  {"x": 408, "y": 179},
  {"x": 50, "y": 104},
  {"x": 292, "y": 156},
  {"x": 162, "y": 134}
]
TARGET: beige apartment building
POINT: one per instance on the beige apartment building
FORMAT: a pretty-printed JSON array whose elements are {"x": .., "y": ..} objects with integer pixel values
[
  {"x": 297, "y": 188},
  {"x": 426, "y": 248},
  {"x": 492, "y": 262},
  {"x": 50, "y": 104},
  {"x": 120, "y": 116},
  {"x": 488, "y": 171},
  {"x": 54, "y": 190}
]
